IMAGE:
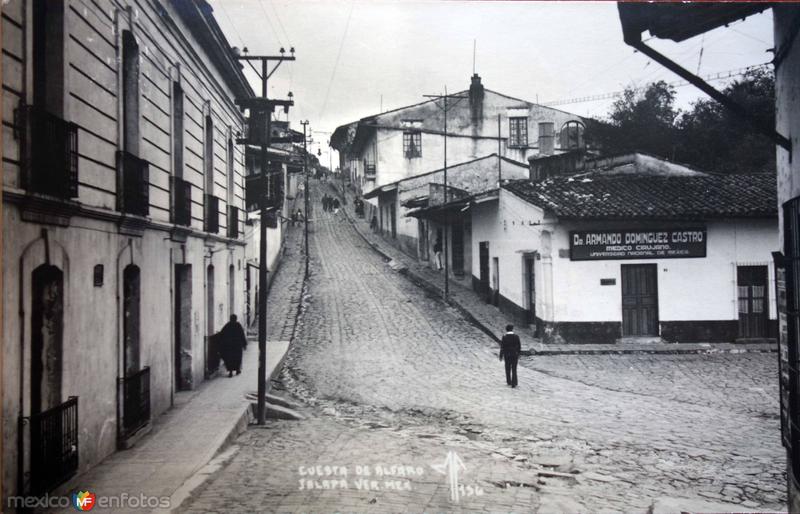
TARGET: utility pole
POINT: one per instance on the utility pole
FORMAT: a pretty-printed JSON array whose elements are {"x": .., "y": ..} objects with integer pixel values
[
  {"x": 445, "y": 108},
  {"x": 306, "y": 192},
  {"x": 264, "y": 106},
  {"x": 499, "y": 157}
]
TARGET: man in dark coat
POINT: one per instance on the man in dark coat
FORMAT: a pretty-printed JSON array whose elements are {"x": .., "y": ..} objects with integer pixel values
[
  {"x": 232, "y": 343},
  {"x": 509, "y": 349}
]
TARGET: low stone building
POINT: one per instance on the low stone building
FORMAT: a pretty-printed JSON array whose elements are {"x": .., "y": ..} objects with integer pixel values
[
  {"x": 631, "y": 247},
  {"x": 122, "y": 219}
]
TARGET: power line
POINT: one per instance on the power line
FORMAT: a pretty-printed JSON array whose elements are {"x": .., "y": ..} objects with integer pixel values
[
  {"x": 722, "y": 75},
  {"x": 271, "y": 26},
  {"x": 230, "y": 20},
  {"x": 336, "y": 64},
  {"x": 280, "y": 23}
]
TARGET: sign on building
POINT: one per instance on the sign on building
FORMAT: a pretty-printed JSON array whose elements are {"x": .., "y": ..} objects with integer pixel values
[{"x": 669, "y": 243}]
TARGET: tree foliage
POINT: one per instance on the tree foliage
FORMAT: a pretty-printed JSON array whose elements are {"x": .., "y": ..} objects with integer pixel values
[{"x": 707, "y": 136}]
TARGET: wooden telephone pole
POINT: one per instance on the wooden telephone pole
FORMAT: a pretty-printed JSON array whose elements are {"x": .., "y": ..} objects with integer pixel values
[
  {"x": 445, "y": 107},
  {"x": 265, "y": 106}
]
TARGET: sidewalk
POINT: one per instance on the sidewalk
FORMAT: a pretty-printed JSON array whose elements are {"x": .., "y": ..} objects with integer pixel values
[
  {"x": 202, "y": 422},
  {"x": 491, "y": 320}
]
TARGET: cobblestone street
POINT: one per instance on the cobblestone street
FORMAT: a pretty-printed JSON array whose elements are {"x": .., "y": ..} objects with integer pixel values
[{"x": 390, "y": 376}]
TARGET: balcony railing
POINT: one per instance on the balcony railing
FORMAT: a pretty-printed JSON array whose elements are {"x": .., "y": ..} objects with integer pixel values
[
  {"x": 135, "y": 401},
  {"x": 49, "y": 150},
  {"x": 211, "y": 218},
  {"x": 54, "y": 446},
  {"x": 134, "y": 195},
  {"x": 181, "y": 208},
  {"x": 233, "y": 222}
]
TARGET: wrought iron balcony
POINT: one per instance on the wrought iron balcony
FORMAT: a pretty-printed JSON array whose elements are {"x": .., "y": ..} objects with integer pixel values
[
  {"x": 181, "y": 208},
  {"x": 49, "y": 152},
  {"x": 134, "y": 195},
  {"x": 135, "y": 402},
  {"x": 233, "y": 222},
  {"x": 211, "y": 214},
  {"x": 53, "y": 446}
]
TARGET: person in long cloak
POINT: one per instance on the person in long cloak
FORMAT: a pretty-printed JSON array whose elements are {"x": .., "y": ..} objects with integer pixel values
[{"x": 232, "y": 343}]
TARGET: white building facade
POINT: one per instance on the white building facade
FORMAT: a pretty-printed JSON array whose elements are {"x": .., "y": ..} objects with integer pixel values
[
  {"x": 122, "y": 216},
  {"x": 597, "y": 257}
]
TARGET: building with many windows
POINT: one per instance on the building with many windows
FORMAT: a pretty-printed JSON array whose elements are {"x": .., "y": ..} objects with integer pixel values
[
  {"x": 401, "y": 143},
  {"x": 123, "y": 197}
]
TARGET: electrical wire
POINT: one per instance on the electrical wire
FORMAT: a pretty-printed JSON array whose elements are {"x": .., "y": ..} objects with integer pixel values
[
  {"x": 336, "y": 64},
  {"x": 280, "y": 23},
  {"x": 271, "y": 26}
]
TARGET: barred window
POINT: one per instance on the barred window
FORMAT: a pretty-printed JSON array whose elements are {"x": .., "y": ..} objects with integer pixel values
[
  {"x": 517, "y": 132},
  {"x": 412, "y": 144},
  {"x": 572, "y": 136}
]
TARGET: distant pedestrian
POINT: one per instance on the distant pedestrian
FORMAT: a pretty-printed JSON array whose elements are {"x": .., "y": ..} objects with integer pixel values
[
  {"x": 232, "y": 343},
  {"x": 299, "y": 215},
  {"x": 437, "y": 251},
  {"x": 325, "y": 203},
  {"x": 510, "y": 348},
  {"x": 336, "y": 205},
  {"x": 294, "y": 218},
  {"x": 373, "y": 224}
]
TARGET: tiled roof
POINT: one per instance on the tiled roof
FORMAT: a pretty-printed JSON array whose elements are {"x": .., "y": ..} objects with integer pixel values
[{"x": 597, "y": 196}]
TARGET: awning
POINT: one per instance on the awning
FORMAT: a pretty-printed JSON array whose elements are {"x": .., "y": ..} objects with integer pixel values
[
  {"x": 455, "y": 210},
  {"x": 374, "y": 193}
]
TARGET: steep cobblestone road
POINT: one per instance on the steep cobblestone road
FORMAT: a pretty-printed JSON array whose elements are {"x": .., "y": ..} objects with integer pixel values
[{"x": 394, "y": 377}]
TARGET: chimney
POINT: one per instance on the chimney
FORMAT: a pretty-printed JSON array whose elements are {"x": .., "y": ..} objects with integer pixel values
[{"x": 476, "y": 98}]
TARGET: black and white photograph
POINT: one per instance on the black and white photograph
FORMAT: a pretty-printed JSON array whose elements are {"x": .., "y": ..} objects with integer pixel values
[{"x": 334, "y": 256}]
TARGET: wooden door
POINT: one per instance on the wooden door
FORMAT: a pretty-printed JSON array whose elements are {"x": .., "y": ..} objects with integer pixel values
[
  {"x": 457, "y": 238},
  {"x": 530, "y": 290},
  {"x": 483, "y": 255},
  {"x": 639, "y": 300},
  {"x": 753, "y": 305}
]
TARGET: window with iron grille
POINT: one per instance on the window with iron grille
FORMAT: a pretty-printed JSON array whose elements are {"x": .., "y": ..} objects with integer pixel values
[
  {"x": 572, "y": 136},
  {"x": 412, "y": 144},
  {"x": 233, "y": 222},
  {"x": 181, "y": 192},
  {"x": 211, "y": 205},
  {"x": 518, "y": 132},
  {"x": 134, "y": 195},
  {"x": 49, "y": 147}
]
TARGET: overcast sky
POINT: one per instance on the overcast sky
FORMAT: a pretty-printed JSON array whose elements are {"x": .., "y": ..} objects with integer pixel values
[{"x": 350, "y": 54}]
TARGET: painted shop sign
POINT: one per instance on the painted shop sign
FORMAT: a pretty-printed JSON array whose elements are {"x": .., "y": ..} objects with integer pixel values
[{"x": 637, "y": 244}]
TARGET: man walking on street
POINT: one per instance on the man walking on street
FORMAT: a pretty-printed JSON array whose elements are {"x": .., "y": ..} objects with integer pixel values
[{"x": 509, "y": 349}]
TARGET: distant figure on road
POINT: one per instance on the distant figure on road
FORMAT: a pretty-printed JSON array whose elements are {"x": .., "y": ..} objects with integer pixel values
[
  {"x": 509, "y": 349},
  {"x": 373, "y": 224},
  {"x": 232, "y": 343},
  {"x": 437, "y": 250},
  {"x": 335, "y": 205},
  {"x": 299, "y": 215}
]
